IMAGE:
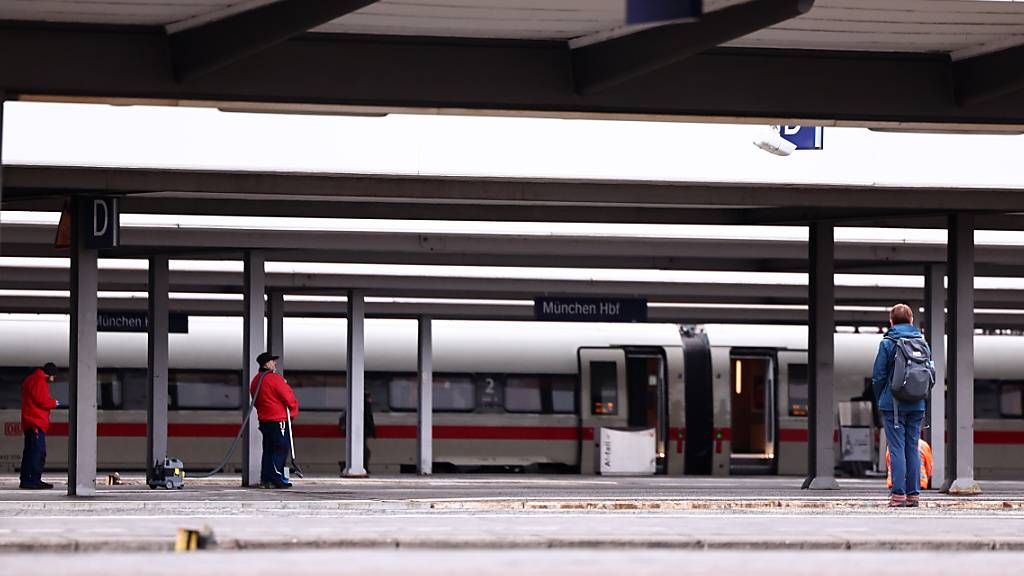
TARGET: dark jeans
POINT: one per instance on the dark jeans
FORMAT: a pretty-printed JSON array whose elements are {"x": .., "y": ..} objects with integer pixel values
[
  {"x": 904, "y": 456},
  {"x": 276, "y": 448},
  {"x": 33, "y": 457}
]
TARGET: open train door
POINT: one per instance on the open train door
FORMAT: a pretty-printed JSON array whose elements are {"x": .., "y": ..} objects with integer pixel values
[
  {"x": 753, "y": 412},
  {"x": 602, "y": 401}
]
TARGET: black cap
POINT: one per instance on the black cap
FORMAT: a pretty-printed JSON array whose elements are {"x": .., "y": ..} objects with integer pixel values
[
  {"x": 50, "y": 369},
  {"x": 265, "y": 357}
]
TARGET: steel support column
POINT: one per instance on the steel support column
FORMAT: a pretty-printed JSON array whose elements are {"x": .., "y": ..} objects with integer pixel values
[
  {"x": 960, "y": 452},
  {"x": 355, "y": 364},
  {"x": 82, "y": 417},
  {"x": 275, "y": 327},
  {"x": 935, "y": 327},
  {"x": 425, "y": 399},
  {"x": 157, "y": 362},
  {"x": 821, "y": 354},
  {"x": 253, "y": 334}
]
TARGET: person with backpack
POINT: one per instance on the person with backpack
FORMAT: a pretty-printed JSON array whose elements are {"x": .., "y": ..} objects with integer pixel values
[{"x": 902, "y": 378}]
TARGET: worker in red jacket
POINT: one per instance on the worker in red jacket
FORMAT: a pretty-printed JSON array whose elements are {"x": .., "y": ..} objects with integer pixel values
[
  {"x": 36, "y": 404},
  {"x": 274, "y": 402}
]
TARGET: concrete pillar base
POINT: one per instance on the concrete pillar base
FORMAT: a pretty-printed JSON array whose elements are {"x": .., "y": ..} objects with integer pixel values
[
  {"x": 963, "y": 487},
  {"x": 821, "y": 483},
  {"x": 350, "y": 473}
]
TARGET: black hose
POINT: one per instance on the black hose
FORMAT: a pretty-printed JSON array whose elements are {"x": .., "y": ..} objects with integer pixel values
[{"x": 238, "y": 437}]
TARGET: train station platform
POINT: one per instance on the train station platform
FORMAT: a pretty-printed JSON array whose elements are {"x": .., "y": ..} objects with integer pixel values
[{"x": 511, "y": 512}]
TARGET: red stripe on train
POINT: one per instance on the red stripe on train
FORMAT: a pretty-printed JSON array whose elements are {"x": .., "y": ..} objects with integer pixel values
[{"x": 200, "y": 430}]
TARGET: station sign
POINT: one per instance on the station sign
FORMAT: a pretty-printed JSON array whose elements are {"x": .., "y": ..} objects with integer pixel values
[
  {"x": 590, "y": 309},
  {"x": 652, "y": 11},
  {"x": 803, "y": 137},
  {"x": 101, "y": 222},
  {"x": 138, "y": 322}
]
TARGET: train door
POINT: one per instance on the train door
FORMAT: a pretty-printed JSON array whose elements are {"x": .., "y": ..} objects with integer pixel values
[
  {"x": 647, "y": 396},
  {"x": 791, "y": 449},
  {"x": 603, "y": 399},
  {"x": 753, "y": 426}
]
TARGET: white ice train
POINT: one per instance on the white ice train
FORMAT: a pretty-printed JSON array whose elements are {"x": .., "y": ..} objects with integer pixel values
[{"x": 508, "y": 395}]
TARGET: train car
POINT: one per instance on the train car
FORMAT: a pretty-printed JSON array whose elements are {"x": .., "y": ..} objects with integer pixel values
[{"x": 507, "y": 395}]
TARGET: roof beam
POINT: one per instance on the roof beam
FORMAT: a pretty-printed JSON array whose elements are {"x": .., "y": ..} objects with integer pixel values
[
  {"x": 989, "y": 76},
  {"x": 493, "y": 193},
  {"x": 201, "y": 49},
  {"x": 130, "y": 65},
  {"x": 610, "y": 62}
]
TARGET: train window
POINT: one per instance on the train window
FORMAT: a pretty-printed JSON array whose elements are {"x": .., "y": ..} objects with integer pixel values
[
  {"x": 1011, "y": 400},
  {"x": 798, "y": 389},
  {"x": 402, "y": 392},
  {"x": 206, "y": 390},
  {"x": 490, "y": 396},
  {"x": 134, "y": 388},
  {"x": 563, "y": 395},
  {"x": 109, "y": 390},
  {"x": 986, "y": 399},
  {"x": 604, "y": 388},
  {"x": 451, "y": 393},
  {"x": 523, "y": 394},
  {"x": 10, "y": 387},
  {"x": 454, "y": 394},
  {"x": 319, "y": 390}
]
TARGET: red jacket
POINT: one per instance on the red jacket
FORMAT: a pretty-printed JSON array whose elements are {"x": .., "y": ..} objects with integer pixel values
[
  {"x": 36, "y": 401},
  {"x": 275, "y": 396}
]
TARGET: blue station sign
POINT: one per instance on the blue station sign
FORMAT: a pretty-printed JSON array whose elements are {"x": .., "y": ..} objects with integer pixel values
[
  {"x": 652, "y": 11},
  {"x": 803, "y": 137},
  {"x": 590, "y": 309},
  {"x": 138, "y": 322}
]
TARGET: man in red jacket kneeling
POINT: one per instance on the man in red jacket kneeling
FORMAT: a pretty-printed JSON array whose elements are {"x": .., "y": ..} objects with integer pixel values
[
  {"x": 274, "y": 402},
  {"x": 36, "y": 404}
]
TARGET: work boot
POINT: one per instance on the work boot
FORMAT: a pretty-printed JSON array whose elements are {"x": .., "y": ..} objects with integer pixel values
[
  {"x": 897, "y": 501},
  {"x": 36, "y": 486},
  {"x": 913, "y": 500}
]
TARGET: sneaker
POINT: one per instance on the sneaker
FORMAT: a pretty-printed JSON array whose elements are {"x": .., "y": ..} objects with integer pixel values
[
  {"x": 913, "y": 500},
  {"x": 897, "y": 501}
]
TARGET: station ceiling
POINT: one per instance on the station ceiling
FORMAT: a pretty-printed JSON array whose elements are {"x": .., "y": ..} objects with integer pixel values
[{"x": 903, "y": 64}]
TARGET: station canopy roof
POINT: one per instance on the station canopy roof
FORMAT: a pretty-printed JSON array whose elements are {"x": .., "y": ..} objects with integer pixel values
[{"x": 902, "y": 63}]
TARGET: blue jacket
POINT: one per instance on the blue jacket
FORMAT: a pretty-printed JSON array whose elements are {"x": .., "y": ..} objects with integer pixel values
[{"x": 882, "y": 373}]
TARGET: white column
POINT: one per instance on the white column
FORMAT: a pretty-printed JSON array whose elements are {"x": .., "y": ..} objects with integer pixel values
[
  {"x": 157, "y": 362},
  {"x": 425, "y": 400},
  {"x": 821, "y": 354},
  {"x": 960, "y": 464},
  {"x": 253, "y": 334},
  {"x": 354, "y": 372},
  {"x": 82, "y": 425},
  {"x": 935, "y": 324}
]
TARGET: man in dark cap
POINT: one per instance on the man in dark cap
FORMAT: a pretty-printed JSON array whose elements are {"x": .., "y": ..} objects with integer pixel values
[
  {"x": 36, "y": 404},
  {"x": 274, "y": 402}
]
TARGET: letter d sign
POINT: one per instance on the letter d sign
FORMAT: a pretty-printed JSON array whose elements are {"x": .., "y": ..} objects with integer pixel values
[{"x": 101, "y": 223}]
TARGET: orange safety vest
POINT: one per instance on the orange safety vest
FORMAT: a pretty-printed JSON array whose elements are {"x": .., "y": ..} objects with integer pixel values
[{"x": 926, "y": 465}]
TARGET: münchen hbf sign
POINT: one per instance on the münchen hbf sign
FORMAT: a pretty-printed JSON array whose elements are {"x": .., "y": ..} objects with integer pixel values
[{"x": 590, "y": 309}]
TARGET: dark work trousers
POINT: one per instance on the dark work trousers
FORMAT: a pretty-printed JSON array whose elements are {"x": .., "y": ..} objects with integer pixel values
[
  {"x": 276, "y": 447},
  {"x": 33, "y": 457}
]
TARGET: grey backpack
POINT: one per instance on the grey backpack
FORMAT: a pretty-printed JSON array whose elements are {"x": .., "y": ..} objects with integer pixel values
[{"x": 913, "y": 373}]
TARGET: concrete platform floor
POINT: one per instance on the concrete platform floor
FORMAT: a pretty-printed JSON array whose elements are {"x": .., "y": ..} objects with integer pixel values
[
  {"x": 505, "y": 513},
  {"x": 520, "y": 563}
]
